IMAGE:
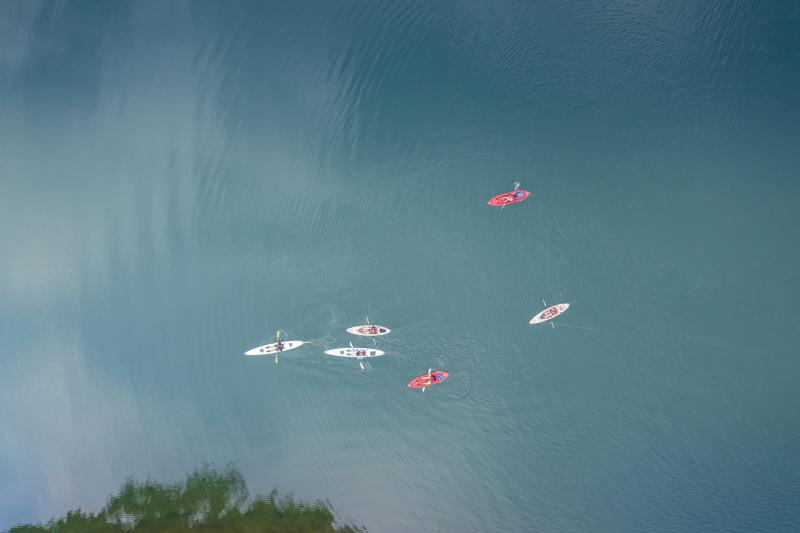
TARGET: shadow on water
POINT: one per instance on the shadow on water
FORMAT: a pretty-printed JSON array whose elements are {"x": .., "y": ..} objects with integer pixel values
[{"x": 209, "y": 500}]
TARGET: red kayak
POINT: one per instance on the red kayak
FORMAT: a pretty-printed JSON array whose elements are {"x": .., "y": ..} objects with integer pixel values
[
  {"x": 429, "y": 378},
  {"x": 513, "y": 197}
]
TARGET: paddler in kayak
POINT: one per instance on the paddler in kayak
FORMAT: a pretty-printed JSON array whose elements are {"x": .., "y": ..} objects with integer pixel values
[
  {"x": 369, "y": 330},
  {"x": 550, "y": 313},
  {"x": 428, "y": 379},
  {"x": 514, "y": 196}
]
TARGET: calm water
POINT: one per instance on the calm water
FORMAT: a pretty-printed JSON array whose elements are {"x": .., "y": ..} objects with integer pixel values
[{"x": 180, "y": 179}]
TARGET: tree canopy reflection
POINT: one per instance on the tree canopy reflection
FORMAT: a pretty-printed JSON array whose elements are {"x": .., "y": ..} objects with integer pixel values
[{"x": 209, "y": 500}]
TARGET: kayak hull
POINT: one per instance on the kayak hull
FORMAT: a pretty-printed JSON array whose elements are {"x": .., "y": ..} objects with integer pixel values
[
  {"x": 272, "y": 349},
  {"x": 436, "y": 377},
  {"x": 366, "y": 330},
  {"x": 549, "y": 314},
  {"x": 507, "y": 198},
  {"x": 358, "y": 353}
]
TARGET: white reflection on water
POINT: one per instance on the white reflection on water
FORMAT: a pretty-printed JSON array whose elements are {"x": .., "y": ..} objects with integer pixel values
[{"x": 72, "y": 434}]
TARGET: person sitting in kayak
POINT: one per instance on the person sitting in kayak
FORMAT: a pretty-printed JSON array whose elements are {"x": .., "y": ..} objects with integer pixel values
[
  {"x": 279, "y": 347},
  {"x": 429, "y": 379},
  {"x": 553, "y": 311},
  {"x": 361, "y": 353}
]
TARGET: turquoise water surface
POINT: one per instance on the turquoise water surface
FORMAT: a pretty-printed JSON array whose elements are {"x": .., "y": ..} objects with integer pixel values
[{"x": 178, "y": 180}]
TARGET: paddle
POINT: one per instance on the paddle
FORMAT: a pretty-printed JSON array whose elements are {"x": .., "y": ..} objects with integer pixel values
[
  {"x": 278, "y": 347},
  {"x": 429, "y": 379},
  {"x": 517, "y": 185},
  {"x": 360, "y": 359},
  {"x": 373, "y": 338}
]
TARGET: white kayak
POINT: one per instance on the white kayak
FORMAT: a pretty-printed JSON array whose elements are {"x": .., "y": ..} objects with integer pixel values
[
  {"x": 355, "y": 352},
  {"x": 368, "y": 330},
  {"x": 549, "y": 313},
  {"x": 274, "y": 348}
]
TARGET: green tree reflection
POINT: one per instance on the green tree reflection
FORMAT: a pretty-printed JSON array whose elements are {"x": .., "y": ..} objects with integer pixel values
[{"x": 209, "y": 500}]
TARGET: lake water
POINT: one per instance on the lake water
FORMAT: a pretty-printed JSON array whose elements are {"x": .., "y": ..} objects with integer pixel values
[{"x": 178, "y": 180}]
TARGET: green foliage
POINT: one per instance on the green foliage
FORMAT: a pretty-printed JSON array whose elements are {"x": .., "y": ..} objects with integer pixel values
[
  {"x": 209, "y": 501},
  {"x": 75, "y": 521}
]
